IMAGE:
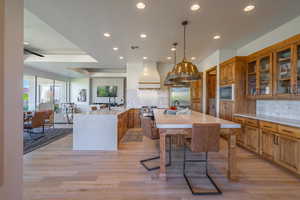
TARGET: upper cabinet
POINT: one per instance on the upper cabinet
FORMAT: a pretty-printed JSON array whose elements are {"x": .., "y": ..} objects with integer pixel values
[
  {"x": 284, "y": 72},
  {"x": 227, "y": 74},
  {"x": 274, "y": 72}
]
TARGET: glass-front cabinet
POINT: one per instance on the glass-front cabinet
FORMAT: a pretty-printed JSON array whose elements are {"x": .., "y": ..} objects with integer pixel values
[
  {"x": 283, "y": 72},
  {"x": 251, "y": 79},
  {"x": 265, "y": 76},
  {"x": 297, "y": 88}
]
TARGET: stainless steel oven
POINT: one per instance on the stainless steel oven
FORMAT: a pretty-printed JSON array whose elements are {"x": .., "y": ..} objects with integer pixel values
[{"x": 227, "y": 92}]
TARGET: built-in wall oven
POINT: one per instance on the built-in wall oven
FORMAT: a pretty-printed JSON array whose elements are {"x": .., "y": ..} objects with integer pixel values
[{"x": 227, "y": 92}]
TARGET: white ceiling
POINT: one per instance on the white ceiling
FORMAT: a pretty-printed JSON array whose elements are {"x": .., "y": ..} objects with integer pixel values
[{"x": 83, "y": 23}]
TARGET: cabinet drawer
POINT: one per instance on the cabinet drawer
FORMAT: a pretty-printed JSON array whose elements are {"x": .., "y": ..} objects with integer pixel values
[
  {"x": 239, "y": 120},
  {"x": 268, "y": 126},
  {"x": 252, "y": 122},
  {"x": 290, "y": 131}
]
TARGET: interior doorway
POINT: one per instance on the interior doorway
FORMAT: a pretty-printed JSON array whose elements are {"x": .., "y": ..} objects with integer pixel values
[{"x": 211, "y": 91}]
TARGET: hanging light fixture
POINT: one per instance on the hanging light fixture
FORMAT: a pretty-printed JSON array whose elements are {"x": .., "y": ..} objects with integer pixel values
[
  {"x": 185, "y": 71},
  {"x": 169, "y": 82}
]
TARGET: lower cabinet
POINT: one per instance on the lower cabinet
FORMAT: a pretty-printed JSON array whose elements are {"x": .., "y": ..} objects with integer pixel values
[
  {"x": 271, "y": 142},
  {"x": 134, "y": 120},
  {"x": 288, "y": 152},
  {"x": 267, "y": 144},
  {"x": 226, "y": 110},
  {"x": 252, "y": 138}
]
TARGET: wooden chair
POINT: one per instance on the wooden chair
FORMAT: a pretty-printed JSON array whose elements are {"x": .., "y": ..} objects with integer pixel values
[
  {"x": 49, "y": 118},
  {"x": 150, "y": 131},
  {"x": 94, "y": 108},
  {"x": 37, "y": 121},
  {"x": 205, "y": 138}
]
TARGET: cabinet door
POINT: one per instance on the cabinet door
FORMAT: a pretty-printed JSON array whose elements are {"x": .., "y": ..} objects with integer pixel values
[
  {"x": 241, "y": 138},
  {"x": 251, "y": 79},
  {"x": 288, "y": 154},
  {"x": 226, "y": 110},
  {"x": 223, "y": 75},
  {"x": 265, "y": 76},
  {"x": 252, "y": 138},
  {"x": 131, "y": 118},
  {"x": 267, "y": 144},
  {"x": 283, "y": 72},
  {"x": 230, "y": 73},
  {"x": 296, "y": 86},
  {"x": 137, "y": 119}
]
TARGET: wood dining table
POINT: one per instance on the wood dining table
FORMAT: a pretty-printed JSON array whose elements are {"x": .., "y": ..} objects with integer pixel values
[{"x": 178, "y": 124}]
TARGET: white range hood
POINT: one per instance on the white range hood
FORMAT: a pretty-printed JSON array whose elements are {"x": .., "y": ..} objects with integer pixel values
[{"x": 149, "y": 78}]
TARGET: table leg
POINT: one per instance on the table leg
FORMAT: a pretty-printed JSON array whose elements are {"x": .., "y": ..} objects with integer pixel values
[
  {"x": 232, "y": 170},
  {"x": 162, "y": 163}
]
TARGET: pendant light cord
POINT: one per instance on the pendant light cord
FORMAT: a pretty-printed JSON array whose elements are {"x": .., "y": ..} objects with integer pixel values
[{"x": 185, "y": 23}]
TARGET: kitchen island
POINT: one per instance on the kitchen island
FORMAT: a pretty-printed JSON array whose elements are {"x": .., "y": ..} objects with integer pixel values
[{"x": 100, "y": 130}]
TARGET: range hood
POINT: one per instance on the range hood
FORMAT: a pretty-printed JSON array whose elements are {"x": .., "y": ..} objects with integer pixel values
[{"x": 149, "y": 78}]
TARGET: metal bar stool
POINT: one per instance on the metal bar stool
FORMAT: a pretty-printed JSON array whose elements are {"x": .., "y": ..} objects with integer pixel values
[
  {"x": 150, "y": 131},
  {"x": 205, "y": 138}
]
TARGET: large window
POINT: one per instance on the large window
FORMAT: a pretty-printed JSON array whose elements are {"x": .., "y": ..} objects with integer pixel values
[
  {"x": 29, "y": 93},
  {"x": 45, "y": 92},
  {"x": 180, "y": 97}
]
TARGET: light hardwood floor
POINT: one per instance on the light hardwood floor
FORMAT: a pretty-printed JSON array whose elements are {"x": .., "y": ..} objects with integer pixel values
[{"x": 55, "y": 172}]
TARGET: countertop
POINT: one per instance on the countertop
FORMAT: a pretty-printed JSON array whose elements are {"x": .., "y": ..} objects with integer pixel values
[
  {"x": 113, "y": 111},
  {"x": 187, "y": 120},
  {"x": 277, "y": 120}
]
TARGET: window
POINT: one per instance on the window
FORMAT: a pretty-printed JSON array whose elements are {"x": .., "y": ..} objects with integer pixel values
[
  {"x": 29, "y": 93},
  {"x": 45, "y": 93},
  {"x": 180, "y": 97}
]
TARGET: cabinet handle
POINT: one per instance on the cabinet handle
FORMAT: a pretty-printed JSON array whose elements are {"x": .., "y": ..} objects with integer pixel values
[{"x": 287, "y": 131}]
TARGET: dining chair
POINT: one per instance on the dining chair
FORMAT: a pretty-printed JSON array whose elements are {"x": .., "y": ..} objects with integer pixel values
[
  {"x": 151, "y": 132},
  {"x": 49, "y": 118},
  {"x": 36, "y": 121},
  {"x": 94, "y": 108},
  {"x": 204, "y": 138}
]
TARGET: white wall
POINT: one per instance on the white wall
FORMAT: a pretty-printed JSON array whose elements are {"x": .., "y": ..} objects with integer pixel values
[
  {"x": 283, "y": 32},
  {"x": 104, "y": 81},
  {"x": 13, "y": 67}
]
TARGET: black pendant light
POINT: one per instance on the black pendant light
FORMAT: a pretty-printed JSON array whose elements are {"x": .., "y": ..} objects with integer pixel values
[{"x": 185, "y": 71}]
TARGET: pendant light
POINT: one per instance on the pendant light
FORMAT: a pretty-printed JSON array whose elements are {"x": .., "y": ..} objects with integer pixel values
[
  {"x": 169, "y": 82},
  {"x": 185, "y": 71}
]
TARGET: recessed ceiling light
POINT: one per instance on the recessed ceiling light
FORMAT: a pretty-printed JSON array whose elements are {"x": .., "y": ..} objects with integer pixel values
[
  {"x": 195, "y": 7},
  {"x": 141, "y": 5},
  {"x": 145, "y": 58},
  {"x": 193, "y": 58},
  {"x": 217, "y": 37},
  {"x": 249, "y": 8},
  {"x": 115, "y": 48},
  {"x": 169, "y": 58},
  {"x": 173, "y": 49},
  {"x": 121, "y": 57},
  {"x": 106, "y": 34},
  {"x": 143, "y": 35}
]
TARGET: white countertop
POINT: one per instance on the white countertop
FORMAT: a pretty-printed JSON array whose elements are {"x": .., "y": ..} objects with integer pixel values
[
  {"x": 113, "y": 111},
  {"x": 187, "y": 120},
  {"x": 278, "y": 120}
]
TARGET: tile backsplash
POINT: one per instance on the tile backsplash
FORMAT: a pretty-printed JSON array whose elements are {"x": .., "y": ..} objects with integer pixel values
[{"x": 275, "y": 108}]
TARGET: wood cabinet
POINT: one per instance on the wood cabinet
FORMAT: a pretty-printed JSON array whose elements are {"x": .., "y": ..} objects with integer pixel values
[
  {"x": 252, "y": 138},
  {"x": 134, "y": 120},
  {"x": 233, "y": 72},
  {"x": 227, "y": 74},
  {"x": 267, "y": 144},
  {"x": 288, "y": 152},
  {"x": 196, "y": 95},
  {"x": 226, "y": 110},
  {"x": 274, "y": 72},
  {"x": 275, "y": 142},
  {"x": 122, "y": 124}
]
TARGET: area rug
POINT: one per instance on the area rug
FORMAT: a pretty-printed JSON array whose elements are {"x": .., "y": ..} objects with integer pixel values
[
  {"x": 36, "y": 141},
  {"x": 133, "y": 135}
]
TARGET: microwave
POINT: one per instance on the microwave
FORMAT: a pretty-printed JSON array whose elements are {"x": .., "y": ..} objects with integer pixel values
[{"x": 227, "y": 92}]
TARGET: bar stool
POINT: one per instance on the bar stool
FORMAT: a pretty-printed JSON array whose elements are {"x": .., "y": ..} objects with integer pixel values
[
  {"x": 205, "y": 138},
  {"x": 150, "y": 131}
]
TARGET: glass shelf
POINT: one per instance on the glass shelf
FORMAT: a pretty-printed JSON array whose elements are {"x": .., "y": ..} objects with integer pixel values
[
  {"x": 252, "y": 78},
  {"x": 264, "y": 76},
  {"x": 284, "y": 69}
]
